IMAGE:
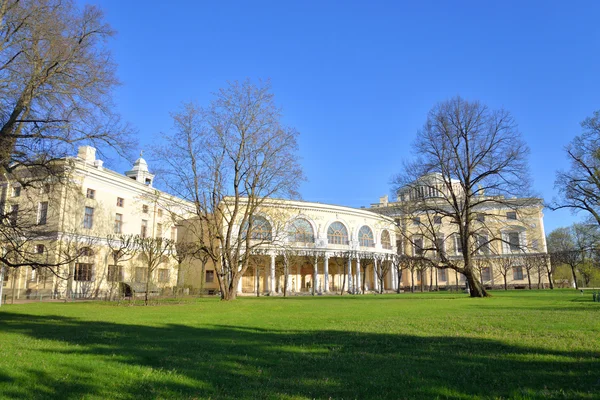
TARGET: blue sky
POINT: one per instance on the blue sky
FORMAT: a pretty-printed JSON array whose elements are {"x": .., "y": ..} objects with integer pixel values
[{"x": 358, "y": 78}]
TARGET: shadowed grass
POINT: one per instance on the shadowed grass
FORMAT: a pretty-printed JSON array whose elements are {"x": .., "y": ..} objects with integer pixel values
[{"x": 514, "y": 345}]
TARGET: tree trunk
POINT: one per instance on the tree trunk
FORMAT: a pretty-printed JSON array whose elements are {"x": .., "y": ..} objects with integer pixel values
[
  {"x": 412, "y": 281},
  {"x": 505, "y": 283},
  {"x": 574, "y": 277},
  {"x": 550, "y": 279},
  {"x": 399, "y": 271},
  {"x": 343, "y": 280},
  {"x": 475, "y": 287},
  {"x": 431, "y": 279},
  {"x": 529, "y": 279}
]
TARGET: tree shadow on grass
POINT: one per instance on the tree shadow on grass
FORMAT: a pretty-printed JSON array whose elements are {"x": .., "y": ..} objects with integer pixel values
[{"x": 100, "y": 360}]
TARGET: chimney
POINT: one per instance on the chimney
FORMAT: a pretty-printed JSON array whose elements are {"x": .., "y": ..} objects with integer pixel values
[
  {"x": 384, "y": 200},
  {"x": 87, "y": 154}
]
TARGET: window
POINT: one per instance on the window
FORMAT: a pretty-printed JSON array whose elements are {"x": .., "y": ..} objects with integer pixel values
[
  {"x": 365, "y": 237},
  {"x": 86, "y": 252},
  {"x": 437, "y": 219},
  {"x": 483, "y": 245},
  {"x": 261, "y": 229},
  {"x": 140, "y": 274},
  {"x": 159, "y": 213},
  {"x": 416, "y": 221},
  {"x": 91, "y": 194},
  {"x": 301, "y": 231},
  {"x": 145, "y": 209},
  {"x": 115, "y": 273},
  {"x": 462, "y": 278},
  {"x": 39, "y": 248},
  {"x": 511, "y": 215},
  {"x": 173, "y": 233},
  {"x": 386, "y": 242},
  {"x": 16, "y": 191},
  {"x": 517, "y": 273},
  {"x": 458, "y": 244},
  {"x": 442, "y": 274},
  {"x": 83, "y": 272},
  {"x": 480, "y": 217},
  {"x": 440, "y": 246},
  {"x": 42, "y": 213},
  {"x": 144, "y": 228},
  {"x": 118, "y": 223},
  {"x": 337, "y": 233},
  {"x": 159, "y": 230},
  {"x": 88, "y": 218},
  {"x": 210, "y": 276},
  {"x": 535, "y": 245},
  {"x": 163, "y": 275},
  {"x": 418, "y": 246},
  {"x": 513, "y": 241},
  {"x": 120, "y": 202},
  {"x": 148, "y": 181},
  {"x": 14, "y": 214},
  {"x": 486, "y": 274}
]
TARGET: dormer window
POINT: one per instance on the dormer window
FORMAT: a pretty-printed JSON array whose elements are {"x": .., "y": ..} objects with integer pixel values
[{"x": 148, "y": 181}]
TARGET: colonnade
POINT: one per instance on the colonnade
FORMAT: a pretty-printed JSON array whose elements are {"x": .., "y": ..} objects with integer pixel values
[{"x": 316, "y": 274}]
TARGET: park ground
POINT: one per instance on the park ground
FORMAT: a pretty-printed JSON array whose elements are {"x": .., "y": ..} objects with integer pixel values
[{"x": 517, "y": 344}]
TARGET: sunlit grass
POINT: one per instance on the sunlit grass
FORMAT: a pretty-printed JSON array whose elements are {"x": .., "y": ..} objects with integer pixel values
[{"x": 517, "y": 344}]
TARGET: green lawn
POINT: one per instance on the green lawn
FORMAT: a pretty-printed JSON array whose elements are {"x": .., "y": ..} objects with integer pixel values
[{"x": 517, "y": 344}]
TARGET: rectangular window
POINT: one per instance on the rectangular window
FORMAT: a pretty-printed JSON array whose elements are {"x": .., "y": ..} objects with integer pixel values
[
  {"x": 535, "y": 245},
  {"x": 480, "y": 217},
  {"x": 210, "y": 276},
  {"x": 437, "y": 220},
  {"x": 115, "y": 273},
  {"x": 42, "y": 213},
  {"x": 141, "y": 274},
  {"x": 462, "y": 278},
  {"x": 159, "y": 213},
  {"x": 442, "y": 275},
  {"x": 163, "y": 275},
  {"x": 88, "y": 218},
  {"x": 14, "y": 214},
  {"x": 511, "y": 215},
  {"x": 458, "y": 244},
  {"x": 486, "y": 274},
  {"x": 517, "y": 273},
  {"x": 144, "y": 228},
  {"x": 173, "y": 233},
  {"x": 39, "y": 248},
  {"x": 513, "y": 241},
  {"x": 159, "y": 230},
  {"x": 91, "y": 194},
  {"x": 118, "y": 223},
  {"x": 145, "y": 209},
  {"x": 416, "y": 221},
  {"x": 120, "y": 202},
  {"x": 83, "y": 272},
  {"x": 483, "y": 244},
  {"x": 16, "y": 192},
  {"x": 440, "y": 246},
  {"x": 418, "y": 246}
]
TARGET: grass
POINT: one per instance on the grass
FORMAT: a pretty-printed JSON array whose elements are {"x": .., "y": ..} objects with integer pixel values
[{"x": 518, "y": 344}]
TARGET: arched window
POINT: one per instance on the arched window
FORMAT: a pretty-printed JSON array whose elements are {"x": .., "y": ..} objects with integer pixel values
[
  {"x": 86, "y": 252},
  {"x": 301, "y": 231},
  {"x": 386, "y": 242},
  {"x": 365, "y": 237},
  {"x": 261, "y": 228},
  {"x": 337, "y": 233}
]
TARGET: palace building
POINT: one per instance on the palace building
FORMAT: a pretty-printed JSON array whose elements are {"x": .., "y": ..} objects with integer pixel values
[{"x": 77, "y": 221}]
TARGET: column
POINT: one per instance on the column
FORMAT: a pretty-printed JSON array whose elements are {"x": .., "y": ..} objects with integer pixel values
[
  {"x": 272, "y": 280},
  {"x": 239, "y": 284},
  {"x": 358, "y": 280},
  {"x": 316, "y": 275},
  {"x": 326, "y": 273},
  {"x": 349, "y": 273},
  {"x": 394, "y": 278},
  {"x": 375, "y": 279}
]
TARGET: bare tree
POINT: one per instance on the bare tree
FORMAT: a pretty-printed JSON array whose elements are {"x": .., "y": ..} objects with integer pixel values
[
  {"x": 468, "y": 159},
  {"x": 579, "y": 187},
  {"x": 153, "y": 251},
  {"x": 122, "y": 248},
  {"x": 505, "y": 265},
  {"x": 56, "y": 84},
  {"x": 228, "y": 159}
]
